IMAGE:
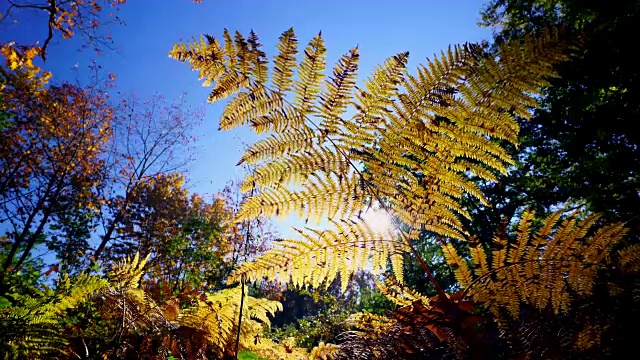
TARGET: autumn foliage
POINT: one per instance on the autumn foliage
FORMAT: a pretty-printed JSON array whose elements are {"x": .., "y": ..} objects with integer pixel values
[
  {"x": 52, "y": 152},
  {"x": 106, "y": 250}
]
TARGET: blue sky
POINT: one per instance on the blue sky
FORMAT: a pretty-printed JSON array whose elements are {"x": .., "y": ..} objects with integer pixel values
[{"x": 379, "y": 28}]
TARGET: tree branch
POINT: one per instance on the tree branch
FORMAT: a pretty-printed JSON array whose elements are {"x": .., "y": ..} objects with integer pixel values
[{"x": 52, "y": 18}]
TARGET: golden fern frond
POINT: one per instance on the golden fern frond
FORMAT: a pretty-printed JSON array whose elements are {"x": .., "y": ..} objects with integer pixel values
[
  {"x": 228, "y": 84},
  {"x": 629, "y": 258},
  {"x": 229, "y": 49},
  {"x": 400, "y": 294},
  {"x": 127, "y": 273},
  {"x": 204, "y": 56},
  {"x": 523, "y": 239},
  {"x": 307, "y": 88},
  {"x": 217, "y": 317},
  {"x": 499, "y": 254},
  {"x": 324, "y": 351},
  {"x": 370, "y": 323},
  {"x": 236, "y": 74},
  {"x": 478, "y": 257},
  {"x": 374, "y": 101},
  {"x": 458, "y": 264},
  {"x": 417, "y": 137},
  {"x": 546, "y": 269},
  {"x": 72, "y": 293},
  {"x": 588, "y": 337},
  {"x": 334, "y": 100},
  {"x": 279, "y": 145},
  {"x": 259, "y": 69},
  {"x": 285, "y": 62},
  {"x": 296, "y": 168},
  {"x": 285, "y": 350},
  {"x": 323, "y": 255},
  {"x": 228, "y": 68},
  {"x": 318, "y": 197},
  {"x": 138, "y": 310}
]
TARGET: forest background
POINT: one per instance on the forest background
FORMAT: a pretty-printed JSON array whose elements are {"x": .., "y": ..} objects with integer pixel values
[{"x": 119, "y": 195}]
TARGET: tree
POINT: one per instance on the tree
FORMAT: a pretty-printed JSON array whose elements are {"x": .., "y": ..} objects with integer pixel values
[
  {"x": 72, "y": 158},
  {"x": 66, "y": 18},
  {"x": 151, "y": 138},
  {"x": 191, "y": 242},
  {"x": 571, "y": 154},
  {"x": 51, "y": 155}
]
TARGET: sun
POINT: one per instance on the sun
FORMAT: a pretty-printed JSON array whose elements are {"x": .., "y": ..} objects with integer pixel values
[{"x": 378, "y": 220}]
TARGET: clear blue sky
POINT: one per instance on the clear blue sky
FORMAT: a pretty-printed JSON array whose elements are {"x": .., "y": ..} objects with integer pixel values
[{"x": 380, "y": 29}]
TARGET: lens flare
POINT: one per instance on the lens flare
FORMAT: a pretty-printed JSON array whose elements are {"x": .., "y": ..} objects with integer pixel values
[{"x": 378, "y": 220}]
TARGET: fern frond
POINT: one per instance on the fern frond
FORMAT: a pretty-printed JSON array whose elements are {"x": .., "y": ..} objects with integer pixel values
[
  {"x": 478, "y": 257},
  {"x": 278, "y": 145},
  {"x": 374, "y": 102},
  {"x": 127, "y": 273},
  {"x": 217, "y": 317},
  {"x": 229, "y": 68},
  {"x": 333, "y": 102},
  {"x": 71, "y": 294},
  {"x": 370, "y": 323},
  {"x": 330, "y": 196},
  {"x": 228, "y": 84},
  {"x": 459, "y": 265},
  {"x": 259, "y": 69},
  {"x": 296, "y": 168},
  {"x": 519, "y": 248},
  {"x": 546, "y": 269},
  {"x": 254, "y": 102},
  {"x": 630, "y": 258},
  {"x": 412, "y": 144},
  {"x": 588, "y": 337},
  {"x": 285, "y": 62},
  {"x": 323, "y": 255},
  {"x": 206, "y": 57},
  {"x": 324, "y": 351},
  {"x": 310, "y": 75},
  {"x": 29, "y": 329},
  {"x": 400, "y": 294}
]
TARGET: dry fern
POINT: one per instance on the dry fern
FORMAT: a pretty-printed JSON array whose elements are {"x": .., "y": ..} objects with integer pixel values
[
  {"x": 417, "y": 137},
  {"x": 541, "y": 269}
]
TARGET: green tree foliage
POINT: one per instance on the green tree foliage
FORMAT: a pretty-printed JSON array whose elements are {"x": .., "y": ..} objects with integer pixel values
[
  {"x": 311, "y": 316},
  {"x": 183, "y": 233},
  {"x": 581, "y": 145}
]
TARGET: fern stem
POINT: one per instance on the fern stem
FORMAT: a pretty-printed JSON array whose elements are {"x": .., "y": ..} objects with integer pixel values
[{"x": 242, "y": 281}]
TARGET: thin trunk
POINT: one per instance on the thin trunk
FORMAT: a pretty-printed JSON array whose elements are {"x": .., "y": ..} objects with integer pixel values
[
  {"x": 240, "y": 317},
  {"x": 33, "y": 238},
  {"x": 107, "y": 236},
  {"x": 20, "y": 239}
]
